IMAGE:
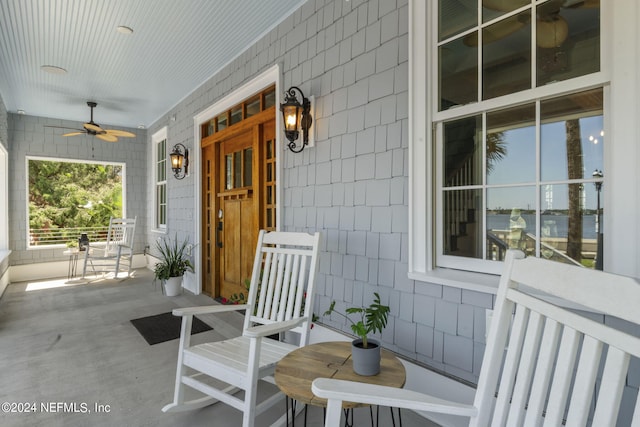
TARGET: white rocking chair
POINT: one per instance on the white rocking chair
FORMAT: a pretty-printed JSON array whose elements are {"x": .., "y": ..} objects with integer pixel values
[
  {"x": 284, "y": 273},
  {"x": 117, "y": 251},
  {"x": 555, "y": 359}
]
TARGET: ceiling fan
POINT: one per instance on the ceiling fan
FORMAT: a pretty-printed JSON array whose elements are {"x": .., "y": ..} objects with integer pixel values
[
  {"x": 92, "y": 128},
  {"x": 552, "y": 29}
]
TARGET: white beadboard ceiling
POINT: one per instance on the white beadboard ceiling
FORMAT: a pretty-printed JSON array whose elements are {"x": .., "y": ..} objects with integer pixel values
[{"x": 175, "y": 47}]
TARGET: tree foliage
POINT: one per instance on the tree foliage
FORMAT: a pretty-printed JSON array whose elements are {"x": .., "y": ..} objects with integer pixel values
[{"x": 68, "y": 195}]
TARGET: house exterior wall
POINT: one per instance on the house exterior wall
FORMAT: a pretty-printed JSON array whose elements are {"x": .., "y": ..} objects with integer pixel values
[
  {"x": 27, "y": 136},
  {"x": 353, "y": 58}
]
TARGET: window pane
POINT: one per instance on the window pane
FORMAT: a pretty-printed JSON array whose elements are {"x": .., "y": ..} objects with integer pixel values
[
  {"x": 270, "y": 99},
  {"x": 252, "y": 107},
  {"x": 569, "y": 224},
  {"x": 228, "y": 173},
  {"x": 492, "y": 9},
  {"x": 568, "y": 41},
  {"x": 237, "y": 169},
  {"x": 222, "y": 121},
  {"x": 572, "y": 136},
  {"x": 506, "y": 56},
  {"x": 458, "y": 73},
  {"x": 511, "y": 145},
  {"x": 236, "y": 115},
  {"x": 511, "y": 220},
  {"x": 248, "y": 156},
  {"x": 462, "y": 152},
  {"x": 456, "y": 17},
  {"x": 462, "y": 231}
]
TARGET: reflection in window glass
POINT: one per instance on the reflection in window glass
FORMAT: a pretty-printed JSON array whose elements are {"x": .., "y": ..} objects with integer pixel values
[
  {"x": 237, "y": 169},
  {"x": 511, "y": 221},
  {"x": 570, "y": 221},
  {"x": 456, "y": 17},
  {"x": 269, "y": 99},
  {"x": 462, "y": 231},
  {"x": 462, "y": 152},
  {"x": 492, "y": 9},
  {"x": 228, "y": 171},
  {"x": 572, "y": 136},
  {"x": 236, "y": 115},
  {"x": 506, "y": 56},
  {"x": 248, "y": 158},
  {"x": 511, "y": 145},
  {"x": 568, "y": 41},
  {"x": 458, "y": 74}
]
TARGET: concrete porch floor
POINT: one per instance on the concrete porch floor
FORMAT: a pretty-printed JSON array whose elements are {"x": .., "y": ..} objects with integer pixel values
[{"x": 73, "y": 345}]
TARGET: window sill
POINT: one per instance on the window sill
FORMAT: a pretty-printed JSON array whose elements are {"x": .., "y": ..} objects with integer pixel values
[{"x": 479, "y": 282}]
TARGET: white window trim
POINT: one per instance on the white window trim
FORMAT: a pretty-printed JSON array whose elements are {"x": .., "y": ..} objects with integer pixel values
[
  {"x": 620, "y": 46},
  {"x": 155, "y": 138}
]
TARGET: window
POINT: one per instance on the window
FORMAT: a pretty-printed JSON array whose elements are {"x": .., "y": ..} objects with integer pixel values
[
  {"x": 4, "y": 200},
  {"x": 70, "y": 197},
  {"x": 159, "y": 143},
  {"x": 517, "y": 122}
]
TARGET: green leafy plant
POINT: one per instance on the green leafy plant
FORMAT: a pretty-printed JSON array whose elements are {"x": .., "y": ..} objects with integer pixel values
[
  {"x": 173, "y": 259},
  {"x": 372, "y": 318}
]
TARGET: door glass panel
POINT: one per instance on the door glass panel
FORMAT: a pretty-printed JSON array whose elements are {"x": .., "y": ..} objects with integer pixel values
[
  {"x": 229, "y": 171},
  {"x": 269, "y": 172},
  {"x": 270, "y": 149},
  {"x": 511, "y": 145},
  {"x": 237, "y": 169},
  {"x": 248, "y": 170},
  {"x": 506, "y": 56}
]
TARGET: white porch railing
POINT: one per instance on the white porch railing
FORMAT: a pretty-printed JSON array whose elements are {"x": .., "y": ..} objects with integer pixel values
[{"x": 39, "y": 237}]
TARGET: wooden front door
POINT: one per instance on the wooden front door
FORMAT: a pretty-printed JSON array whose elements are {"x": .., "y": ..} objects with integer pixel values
[
  {"x": 238, "y": 200},
  {"x": 238, "y": 213}
]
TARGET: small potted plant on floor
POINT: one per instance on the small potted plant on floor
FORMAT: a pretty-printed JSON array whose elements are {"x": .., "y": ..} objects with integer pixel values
[
  {"x": 174, "y": 261},
  {"x": 365, "y": 352}
]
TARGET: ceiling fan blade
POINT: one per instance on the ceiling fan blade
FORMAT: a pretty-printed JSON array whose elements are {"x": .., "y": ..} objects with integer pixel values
[
  {"x": 116, "y": 132},
  {"x": 107, "y": 137},
  {"x": 73, "y": 133},
  {"x": 93, "y": 127}
]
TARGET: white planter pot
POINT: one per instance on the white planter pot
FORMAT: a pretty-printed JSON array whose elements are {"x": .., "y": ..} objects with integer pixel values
[
  {"x": 366, "y": 361},
  {"x": 173, "y": 286}
]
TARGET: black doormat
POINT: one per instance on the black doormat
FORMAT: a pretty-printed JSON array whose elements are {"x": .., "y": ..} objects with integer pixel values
[{"x": 165, "y": 327}]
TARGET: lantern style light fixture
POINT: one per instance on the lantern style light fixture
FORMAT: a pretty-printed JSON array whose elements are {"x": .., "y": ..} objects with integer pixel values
[
  {"x": 296, "y": 116},
  {"x": 179, "y": 161}
]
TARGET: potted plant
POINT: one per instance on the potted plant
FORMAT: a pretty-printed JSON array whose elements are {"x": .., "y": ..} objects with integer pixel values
[
  {"x": 365, "y": 352},
  {"x": 173, "y": 263}
]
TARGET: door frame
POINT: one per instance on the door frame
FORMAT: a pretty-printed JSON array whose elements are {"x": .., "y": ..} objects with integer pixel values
[{"x": 267, "y": 78}]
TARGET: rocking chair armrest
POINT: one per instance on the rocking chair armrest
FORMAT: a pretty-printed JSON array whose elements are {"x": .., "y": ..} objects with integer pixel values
[
  {"x": 371, "y": 394},
  {"x": 273, "y": 328},
  {"x": 208, "y": 309}
]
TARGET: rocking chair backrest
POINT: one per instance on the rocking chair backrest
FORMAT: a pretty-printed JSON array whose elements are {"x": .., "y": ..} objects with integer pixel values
[
  {"x": 555, "y": 358},
  {"x": 282, "y": 280},
  {"x": 121, "y": 232}
]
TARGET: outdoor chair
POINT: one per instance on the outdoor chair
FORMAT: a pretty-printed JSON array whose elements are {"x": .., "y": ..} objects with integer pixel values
[
  {"x": 116, "y": 252},
  {"x": 280, "y": 299},
  {"x": 544, "y": 364}
]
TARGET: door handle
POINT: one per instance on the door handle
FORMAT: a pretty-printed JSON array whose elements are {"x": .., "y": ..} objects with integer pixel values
[{"x": 218, "y": 232}]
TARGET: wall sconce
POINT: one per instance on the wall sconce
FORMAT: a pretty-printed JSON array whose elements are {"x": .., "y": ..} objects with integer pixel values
[
  {"x": 296, "y": 115},
  {"x": 179, "y": 160}
]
